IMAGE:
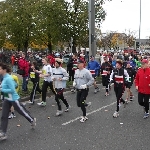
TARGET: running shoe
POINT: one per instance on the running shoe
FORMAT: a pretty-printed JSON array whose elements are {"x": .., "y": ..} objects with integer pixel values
[
  {"x": 83, "y": 119},
  {"x": 106, "y": 94},
  {"x": 33, "y": 123},
  {"x": 146, "y": 115},
  {"x": 42, "y": 103},
  {"x": 116, "y": 114},
  {"x": 67, "y": 108},
  {"x": 29, "y": 102},
  {"x": 59, "y": 112},
  {"x": 12, "y": 116},
  {"x": 3, "y": 136}
]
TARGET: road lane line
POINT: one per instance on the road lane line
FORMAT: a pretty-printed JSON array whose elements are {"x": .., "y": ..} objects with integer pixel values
[{"x": 94, "y": 111}]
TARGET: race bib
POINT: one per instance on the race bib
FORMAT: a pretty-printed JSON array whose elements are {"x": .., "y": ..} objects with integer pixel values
[
  {"x": 32, "y": 74},
  {"x": 43, "y": 71}
]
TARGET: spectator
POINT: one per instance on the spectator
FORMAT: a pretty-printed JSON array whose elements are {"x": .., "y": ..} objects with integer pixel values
[{"x": 23, "y": 65}]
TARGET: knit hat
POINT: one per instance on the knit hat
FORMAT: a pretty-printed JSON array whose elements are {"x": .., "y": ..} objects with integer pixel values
[{"x": 145, "y": 61}]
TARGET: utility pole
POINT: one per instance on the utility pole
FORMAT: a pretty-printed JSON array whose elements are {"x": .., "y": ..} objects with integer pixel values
[
  {"x": 140, "y": 26},
  {"x": 92, "y": 42}
]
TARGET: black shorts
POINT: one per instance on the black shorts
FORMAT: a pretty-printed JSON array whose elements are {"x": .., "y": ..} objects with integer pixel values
[{"x": 128, "y": 85}]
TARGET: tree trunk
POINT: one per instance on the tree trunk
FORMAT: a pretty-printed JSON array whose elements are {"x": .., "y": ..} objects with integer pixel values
[
  {"x": 18, "y": 47},
  {"x": 50, "y": 47},
  {"x": 74, "y": 47},
  {"x": 26, "y": 46}
]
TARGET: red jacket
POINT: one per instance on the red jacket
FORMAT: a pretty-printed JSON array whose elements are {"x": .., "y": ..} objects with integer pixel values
[
  {"x": 24, "y": 65},
  {"x": 142, "y": 80},
  {"x": 52, "y": 60},
  {"x": 12, "y": 60}
]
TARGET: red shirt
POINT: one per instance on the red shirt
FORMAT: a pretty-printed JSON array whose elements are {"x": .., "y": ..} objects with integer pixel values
[{"x": 142, "y": 80}]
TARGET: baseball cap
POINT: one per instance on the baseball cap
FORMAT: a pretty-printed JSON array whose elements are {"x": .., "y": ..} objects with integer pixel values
[
  {"x": 145, "y": 61},
  {"x": 80, "y": 61}
]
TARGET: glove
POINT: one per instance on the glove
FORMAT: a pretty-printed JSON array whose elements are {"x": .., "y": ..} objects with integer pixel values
[
  {"x": 74, "y": 84},
  {"x": 84, "y": 86}
]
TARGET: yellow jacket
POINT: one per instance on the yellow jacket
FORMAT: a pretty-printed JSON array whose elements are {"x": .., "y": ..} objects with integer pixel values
[{"x": 17, "y": 82}]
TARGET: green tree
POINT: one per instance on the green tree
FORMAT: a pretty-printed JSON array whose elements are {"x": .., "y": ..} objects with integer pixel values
[{"x": 20, "y": 22}]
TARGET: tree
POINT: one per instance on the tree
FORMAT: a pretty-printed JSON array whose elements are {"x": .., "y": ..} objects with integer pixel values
[
  {"x": 129, "y": 37},
  {"x": 46, "y": 22},
  {"x": 19, "y": 22}
]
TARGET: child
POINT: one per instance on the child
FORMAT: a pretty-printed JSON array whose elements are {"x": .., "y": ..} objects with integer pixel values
[{"x": 34, "y": 76}]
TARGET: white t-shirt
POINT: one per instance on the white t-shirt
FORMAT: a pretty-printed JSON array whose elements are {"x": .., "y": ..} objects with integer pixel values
[{"x": 47, "y": 69}]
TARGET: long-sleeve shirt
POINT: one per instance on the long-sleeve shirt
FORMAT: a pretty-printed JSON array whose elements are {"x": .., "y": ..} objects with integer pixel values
[
  {"x": 8, "y": 88},
  {"x": 83, "y": 77},
  {"x": 119, "y": 73},
  {"x": 60, "y": 73},
  {"x": 93, "y": 67}
]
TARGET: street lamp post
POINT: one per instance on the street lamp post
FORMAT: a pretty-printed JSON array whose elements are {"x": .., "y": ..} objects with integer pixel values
[{"x": 92, "y": 42}]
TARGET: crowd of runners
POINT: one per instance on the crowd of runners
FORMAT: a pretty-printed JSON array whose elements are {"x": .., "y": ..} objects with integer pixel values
[{"x": 120, "y": 70}]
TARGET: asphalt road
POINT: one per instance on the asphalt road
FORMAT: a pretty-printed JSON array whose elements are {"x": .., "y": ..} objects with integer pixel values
[{"x": 101, "y": 132}]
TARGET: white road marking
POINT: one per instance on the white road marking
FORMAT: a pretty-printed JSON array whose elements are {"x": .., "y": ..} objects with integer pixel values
[{"x": 94, "y": 111}]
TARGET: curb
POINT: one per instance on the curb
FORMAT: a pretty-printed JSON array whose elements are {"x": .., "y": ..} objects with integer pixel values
[{"x": 49, "y": 94}]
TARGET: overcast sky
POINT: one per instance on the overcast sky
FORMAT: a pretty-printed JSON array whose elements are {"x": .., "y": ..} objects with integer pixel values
[{"x": 125, "y": 14}]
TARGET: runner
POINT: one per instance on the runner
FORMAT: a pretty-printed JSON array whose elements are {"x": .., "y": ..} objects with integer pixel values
[
  {"x": 46, "y": 74},
  {"x": 132, "y": 74},
  {"x": 11, "y": 98},
  {"x": 60, "y": 76},
  {"x": 142, "y": 82},
  {"x": 74, "y": 67},
  {"x": 118, "y": 78},
  {"x": 94, "y": 67},
  {"x": 83, "y": 79},
  {"x": 106, "y": 69}
]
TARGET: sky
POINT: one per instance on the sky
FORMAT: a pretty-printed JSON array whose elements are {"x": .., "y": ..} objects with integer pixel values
[{"x": 125, "y": 14}]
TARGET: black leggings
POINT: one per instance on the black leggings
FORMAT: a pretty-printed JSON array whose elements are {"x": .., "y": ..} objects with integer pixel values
[
  {"x": 45, "y": 85},
  {"x": 71, "y": 75},
  {"x": 59, "y": 96},
  {"x": 81, "y": 97},
  {"x": 143, "y": 100},
  {"x": 34, "y": 89},
  {"x": 6, "y": 109},
  {"x": 105, "y": 82},
  {"x": 119, "y": 90}
]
